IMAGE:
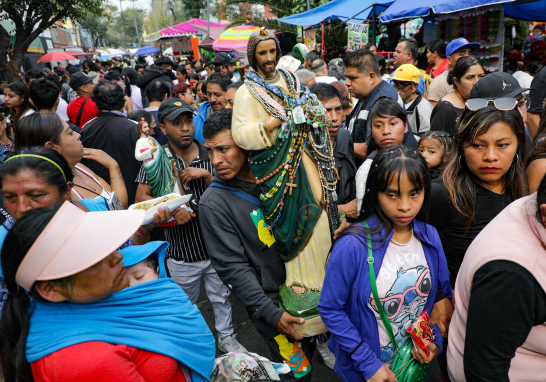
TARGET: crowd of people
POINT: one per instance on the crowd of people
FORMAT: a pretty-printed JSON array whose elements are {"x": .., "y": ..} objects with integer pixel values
[{"x": 440, "y": 191}]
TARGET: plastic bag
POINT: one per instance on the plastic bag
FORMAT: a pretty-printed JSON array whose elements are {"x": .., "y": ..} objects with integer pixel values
[
  {"x": 246, "y": 367},
  {"x": 422, "y": 330}
]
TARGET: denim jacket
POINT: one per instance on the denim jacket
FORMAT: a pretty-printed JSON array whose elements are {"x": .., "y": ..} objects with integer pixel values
[
  {"x": 5, "y": 153},
  {"x": 344, "y": 297}
]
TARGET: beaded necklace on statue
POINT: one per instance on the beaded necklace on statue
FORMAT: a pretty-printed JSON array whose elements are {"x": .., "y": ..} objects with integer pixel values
[{"x": 313, "y": 131}]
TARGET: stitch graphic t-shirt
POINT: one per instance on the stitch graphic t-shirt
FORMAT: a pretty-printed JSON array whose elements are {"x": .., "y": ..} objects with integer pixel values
[{"x": 403, "y": 285}]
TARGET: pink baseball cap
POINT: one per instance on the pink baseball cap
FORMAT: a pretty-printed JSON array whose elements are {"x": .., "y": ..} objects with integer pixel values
[{"x": 75, "y": 240}]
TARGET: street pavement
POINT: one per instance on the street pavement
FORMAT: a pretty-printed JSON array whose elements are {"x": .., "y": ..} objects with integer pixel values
[{"x": 251, "y": 339}]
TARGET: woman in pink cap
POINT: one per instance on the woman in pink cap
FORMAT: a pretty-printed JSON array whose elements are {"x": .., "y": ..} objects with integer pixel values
[{"x": 70, "y": 315}]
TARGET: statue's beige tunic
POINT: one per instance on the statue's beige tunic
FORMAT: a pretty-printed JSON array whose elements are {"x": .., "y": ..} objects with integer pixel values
[{"x": 249, "y": 132}]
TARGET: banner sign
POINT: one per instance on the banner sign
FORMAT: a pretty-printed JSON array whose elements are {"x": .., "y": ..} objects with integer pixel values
[{"x": 358, "y": 36}]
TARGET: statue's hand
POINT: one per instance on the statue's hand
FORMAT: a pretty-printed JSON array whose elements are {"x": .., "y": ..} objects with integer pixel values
[
  {"x": 284, "y": 326},
  {"x": 272, "y": 123}
]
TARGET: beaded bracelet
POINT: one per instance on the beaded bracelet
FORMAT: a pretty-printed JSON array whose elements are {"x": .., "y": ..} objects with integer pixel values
[
  {"x": 142, "y": 232},
  {"x": 116, "y": 177}
]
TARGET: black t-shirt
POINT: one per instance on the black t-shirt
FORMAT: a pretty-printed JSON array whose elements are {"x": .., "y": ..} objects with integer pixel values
[
  {"x": 452, "y": 225},
  {"x": 444, "y": 117},
  {"x": 538, "y": 95},
  {"x": 506, "y": 301}
]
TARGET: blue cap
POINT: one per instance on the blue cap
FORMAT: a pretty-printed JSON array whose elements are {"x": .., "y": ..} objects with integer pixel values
[
  {"x": 137, "y": 253},
  {"x": 460, "y": 43}
]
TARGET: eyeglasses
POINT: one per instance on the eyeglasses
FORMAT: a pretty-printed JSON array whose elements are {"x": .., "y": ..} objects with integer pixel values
[
  {"x": 524, "y": 103},
  {"x": 500, "y": 103},
  {"x": 401, "y": 85}
]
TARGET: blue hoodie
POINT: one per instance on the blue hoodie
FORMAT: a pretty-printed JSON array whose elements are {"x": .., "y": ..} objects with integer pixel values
[
  {"x": 343, "y": 303},
  {"x": 199, "y": 120}
]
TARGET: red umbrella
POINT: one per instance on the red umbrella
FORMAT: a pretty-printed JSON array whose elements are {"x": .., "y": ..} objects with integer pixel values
[{"x": 56, "y": 56}]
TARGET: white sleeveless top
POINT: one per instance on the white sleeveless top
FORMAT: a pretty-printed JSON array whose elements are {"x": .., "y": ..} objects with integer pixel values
[{"x": 104, "y": 194}]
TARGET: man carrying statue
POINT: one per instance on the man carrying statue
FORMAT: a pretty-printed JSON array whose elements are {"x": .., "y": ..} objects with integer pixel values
[{"x": 285, "y": 130}]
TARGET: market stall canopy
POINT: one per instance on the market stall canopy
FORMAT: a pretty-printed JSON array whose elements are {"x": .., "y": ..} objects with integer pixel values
[
  {"x": 235, "y": 38},
  {"x": 145, "y": 50},
  {"x": 346, "y": 10},
  {"x": 112, "y": 52},
  {"x": 535, "y": 11},
  {"x": 77, "y": 53},
  {"x": 56, "y": 56},
  {"x": 404, "y": 9},
  {"x": 188, "y": 28},
  {"x": 207, "y": 43},
  {"x": 168, "y": 51}
]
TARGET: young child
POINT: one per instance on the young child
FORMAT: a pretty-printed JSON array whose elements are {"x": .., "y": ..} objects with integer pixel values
[
  {"x": 146, "y": 262},
  {"x": 409, "y": 266},
  {"x": 434, "y": 147}
]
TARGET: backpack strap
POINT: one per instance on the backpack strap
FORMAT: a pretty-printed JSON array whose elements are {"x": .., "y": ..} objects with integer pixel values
[
  {"x": 240, "y": 193},
  {"x": 384, "y": 318},
  {"x": 81, "y": 112}
]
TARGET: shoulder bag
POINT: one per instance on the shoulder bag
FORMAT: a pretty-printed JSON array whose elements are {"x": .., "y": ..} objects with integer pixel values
[{"x": 404, "y": 366}]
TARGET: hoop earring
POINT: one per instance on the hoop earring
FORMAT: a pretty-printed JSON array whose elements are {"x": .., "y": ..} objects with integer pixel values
[
  {"x": 460, "y": 164},
  {"x": 517, "y": 160}
]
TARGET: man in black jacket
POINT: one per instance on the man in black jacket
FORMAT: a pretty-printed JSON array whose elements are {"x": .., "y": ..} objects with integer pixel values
[
  {"x": 111, "y": 132},
  {"x": 162, "y": 71},
  {"x": 243, "y": 250}
]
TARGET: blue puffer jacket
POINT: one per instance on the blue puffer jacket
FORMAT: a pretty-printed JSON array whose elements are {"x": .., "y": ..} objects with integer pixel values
[
  {"x": 344, "y": 298},
  {"x": 199, "y": 120}
]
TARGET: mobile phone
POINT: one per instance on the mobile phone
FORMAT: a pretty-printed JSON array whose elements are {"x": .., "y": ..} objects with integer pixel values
[{"x": 114, "y": 204}]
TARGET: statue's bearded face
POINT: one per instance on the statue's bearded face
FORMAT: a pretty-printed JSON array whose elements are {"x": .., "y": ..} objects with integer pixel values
[{"x": 266, "y": 57}]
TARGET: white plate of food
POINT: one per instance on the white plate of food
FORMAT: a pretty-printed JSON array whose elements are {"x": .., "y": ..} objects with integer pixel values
[{"x": 173, "y": 201}]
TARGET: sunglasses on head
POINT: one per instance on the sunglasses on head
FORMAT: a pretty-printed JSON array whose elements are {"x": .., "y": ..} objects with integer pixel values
[{"x": 499, "y": 103}]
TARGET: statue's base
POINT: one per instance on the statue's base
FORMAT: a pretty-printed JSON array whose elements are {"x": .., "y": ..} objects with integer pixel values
[{"x": 303, "y": 305}]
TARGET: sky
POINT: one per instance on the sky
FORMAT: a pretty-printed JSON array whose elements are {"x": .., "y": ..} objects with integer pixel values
[{"x": 142, "y": 4}]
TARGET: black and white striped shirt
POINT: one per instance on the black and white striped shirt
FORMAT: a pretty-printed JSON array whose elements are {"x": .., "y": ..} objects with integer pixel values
[{"x": 186, "y": 241}]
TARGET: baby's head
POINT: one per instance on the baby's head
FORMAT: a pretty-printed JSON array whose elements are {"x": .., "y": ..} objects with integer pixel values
[
  {"x": 146, "y": 270},
  {"x": 434, "y": 147},
  {"x": 145, "y": 263}
]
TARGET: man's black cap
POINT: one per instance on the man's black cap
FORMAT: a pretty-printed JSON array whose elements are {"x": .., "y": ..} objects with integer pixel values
[
  {"x": 172, "y": 108},
  {"x": 164, "y": 61},
  {"x": 78, "y": 79},
  {"x": 222, "y": 58},
  {"x": 497, "y": 85}
]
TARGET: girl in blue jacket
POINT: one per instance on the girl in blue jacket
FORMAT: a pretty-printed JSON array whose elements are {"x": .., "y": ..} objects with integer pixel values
[{"x": 409, "y": 265}]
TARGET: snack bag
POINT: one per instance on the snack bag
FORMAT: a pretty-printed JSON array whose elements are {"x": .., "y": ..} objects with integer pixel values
[{"x": 422, "y": 330}]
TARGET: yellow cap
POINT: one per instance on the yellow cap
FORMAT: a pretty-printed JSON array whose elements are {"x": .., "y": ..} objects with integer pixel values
[{"x": 407, "y": 72}]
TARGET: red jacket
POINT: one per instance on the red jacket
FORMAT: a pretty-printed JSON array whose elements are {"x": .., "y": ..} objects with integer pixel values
[
  {"x": 439, "y": 70},
  {"x": 101, "y": 361}
]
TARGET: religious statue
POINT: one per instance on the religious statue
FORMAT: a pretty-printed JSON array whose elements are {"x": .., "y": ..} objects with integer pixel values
[
  {"x": 286, "y": 129},
  {"x": 156, "y": 163}
]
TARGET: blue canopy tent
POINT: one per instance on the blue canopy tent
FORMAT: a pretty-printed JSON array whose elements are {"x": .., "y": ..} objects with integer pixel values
[
  {"x": 345, "y": 10},
  {"x": 535, "y": 11},
  {"x": 404, "y": 9}
]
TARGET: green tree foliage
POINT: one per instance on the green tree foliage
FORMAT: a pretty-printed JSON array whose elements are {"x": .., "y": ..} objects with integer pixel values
[
  {"x": 98, "y": 25},
  {"x": 282, "y": 8},
  {"x": 127, "y": 20},
  {"x": 32, "y": 17},
  {"x": 522, "y": 29}
]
